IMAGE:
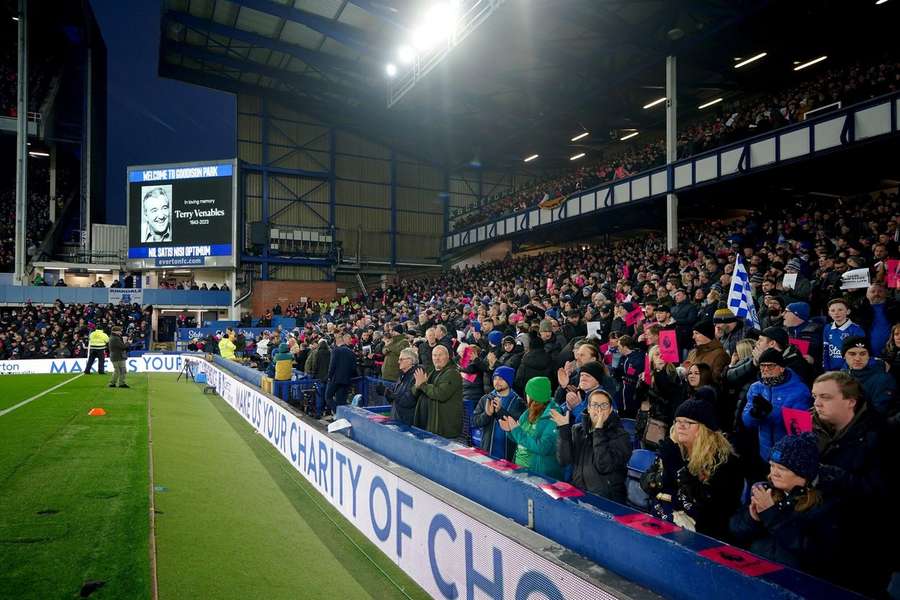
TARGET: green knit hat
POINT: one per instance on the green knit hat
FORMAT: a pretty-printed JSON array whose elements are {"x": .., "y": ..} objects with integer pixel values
[{"x": 538, "y": 390}]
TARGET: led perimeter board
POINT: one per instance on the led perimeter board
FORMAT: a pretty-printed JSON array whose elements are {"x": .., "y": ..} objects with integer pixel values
[{"x": 182, "y": 215}]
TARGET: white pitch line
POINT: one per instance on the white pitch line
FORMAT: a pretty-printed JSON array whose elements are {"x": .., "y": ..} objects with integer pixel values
[{"x": 45, "y": 392}]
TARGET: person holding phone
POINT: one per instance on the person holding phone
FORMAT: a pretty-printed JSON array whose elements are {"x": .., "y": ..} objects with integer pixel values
[
  {"x": 501, "y": 402},
  {"x": 598, "y": 448}
]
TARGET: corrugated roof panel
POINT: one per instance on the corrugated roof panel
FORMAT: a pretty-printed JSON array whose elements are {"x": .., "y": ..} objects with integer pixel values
[
  {"x": 354, "y": 15},
  {"x": 259, "y": 55},
  {"x": 257, "y": 22},
  {"x": 225, "y": 12},
  {"x": 326, "y": 8},
  {"x": 179, "y": 5},
  {"x": 201, "y": 8},
  {"x": 301, "y": 35},
  {"x": 276, "y": 59},
  {"x": 194, "y": 38},
  {"x": 336, "y": 48}
]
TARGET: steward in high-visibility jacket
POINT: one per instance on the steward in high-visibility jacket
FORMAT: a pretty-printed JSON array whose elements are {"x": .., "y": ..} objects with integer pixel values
[
  {"x": 96, "y": 349},
  {"x": 226, "y": 348}
]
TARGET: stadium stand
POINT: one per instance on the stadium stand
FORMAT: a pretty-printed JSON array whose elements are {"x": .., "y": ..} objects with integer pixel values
[{"x": 735, "y": 120}]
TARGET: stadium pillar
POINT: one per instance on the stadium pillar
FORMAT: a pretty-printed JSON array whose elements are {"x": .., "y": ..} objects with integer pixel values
[
  {"x": 87, "y": 153},
  {"x": 52, "y": 182},
  {"x": 393, "y": 208},
  {"x": 445, "y": 196},
  {"x": 671, "y": 151},
  {"x": 22, "y": 144},
  {"x": 264, "y": 125},
  {"x": 332, "y": 192}
]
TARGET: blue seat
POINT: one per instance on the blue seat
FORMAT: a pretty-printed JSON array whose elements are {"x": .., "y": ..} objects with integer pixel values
[
  {"x": 630, "y": 425},
  {"x": 640, "y": 462}
]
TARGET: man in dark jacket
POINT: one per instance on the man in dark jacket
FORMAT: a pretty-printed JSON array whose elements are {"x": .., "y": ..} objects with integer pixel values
[
  {"x": 390, "y": 370},
  {"x": 118, "y": 352},
  {"x": 777, "y": 337},
  {"x": 598, "y": 448},
  {"x": 492, "y": 407},
  {"x": 855, "y": 458},
  {"x": 341, "y": 372},
  {"x": 879, "y": 387},
  {"x": 685, "y": 314},
  {"x": 729, "y": 329},
  {"x": 439, "y": 407},
  {"x": 574, "y": 326},
  {"x": 400, "y": 394},
  {"x": 797, "y": 324}
]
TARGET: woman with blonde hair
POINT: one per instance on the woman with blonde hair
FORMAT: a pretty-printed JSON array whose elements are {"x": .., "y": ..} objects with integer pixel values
[{"x": 696, "y": 481}]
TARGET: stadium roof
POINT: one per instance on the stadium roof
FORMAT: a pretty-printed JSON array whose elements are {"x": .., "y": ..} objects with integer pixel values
[{"x": 534, "y": 75}]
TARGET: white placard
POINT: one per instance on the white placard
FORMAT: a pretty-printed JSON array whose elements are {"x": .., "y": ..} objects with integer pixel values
[
  {"x": 789, "y": 281},
  {"x": 855, "y": 279}
]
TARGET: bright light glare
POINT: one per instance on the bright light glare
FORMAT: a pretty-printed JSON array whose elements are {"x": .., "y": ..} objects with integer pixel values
[
  {"x": 629, "y": 136},
  {"x": 580, "y": 136},
  {"x": 439, "y": 24},
  {"x": 750, "y": 60},
  {"x": 655, "y": 102},
  {"x": 577, "y": 156},
  {"x": 15, "y": 18},
  {"x": 531, "y": 158},
  {"x": 810, "y": 63},
  {"x": 391, "y": 70},
  {"x": 881, "y": 1},
  {"x": 36, "y": 154},
  {"x": 710, "y": 103},
  {"x": 406, "y": 54}
]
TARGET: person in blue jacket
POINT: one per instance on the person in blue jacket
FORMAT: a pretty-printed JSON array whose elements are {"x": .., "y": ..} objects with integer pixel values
[
  {"x": 879, "y": 387},
  {"x": 492, "y": 407},
  {"x": 341, "y": 372},
  {"x": 834, "y": 334},
  {"x": 776, "y": 389}
]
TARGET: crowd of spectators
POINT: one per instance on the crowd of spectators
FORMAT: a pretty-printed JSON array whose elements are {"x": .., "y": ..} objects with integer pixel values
[
  {"x": 730, "y": 122},
  {"x": 36, "y": 226},
  {"x": 43, "y": 64},
  {"x": 62, "y": 330},
  {"x": 556, "y": 351}
]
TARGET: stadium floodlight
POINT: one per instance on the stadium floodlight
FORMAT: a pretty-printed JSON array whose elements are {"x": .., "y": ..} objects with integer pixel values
[
  {"x": 15, "y": 18},
  {"x": 37, "y": 154},
  {"x": 629, "y": 136},
  {"x": 881, "y": 2},
  {"x": 532, "y": 157},
  {"x": 580, "y": 136},
  {"x": 577, "y": 156},
  {"x": 744, "y": 63},
  {"x": 710, "y": 103},
  {"x": 439, "y": 24},
  {"x": 391, "y": 70},
  {"x": 655, "y": 102},
  {"x": 810, "y": 63},
  {"x": 406, "y": 54}
]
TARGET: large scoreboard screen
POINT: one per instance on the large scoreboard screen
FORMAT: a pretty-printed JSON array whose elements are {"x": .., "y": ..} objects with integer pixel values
[{"x": 182, "y": 215}]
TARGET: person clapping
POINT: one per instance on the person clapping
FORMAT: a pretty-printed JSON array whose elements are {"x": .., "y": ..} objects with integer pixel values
[
  {"x": 502, "y": 401},
  {"x": 598, "y": 447}
]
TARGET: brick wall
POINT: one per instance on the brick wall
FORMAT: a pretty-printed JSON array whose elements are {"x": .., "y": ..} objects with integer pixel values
[{"x": 268, "y": 293}]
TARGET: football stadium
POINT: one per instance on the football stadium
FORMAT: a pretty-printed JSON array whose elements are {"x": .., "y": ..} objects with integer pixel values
[{"x": 507, "y": 299}]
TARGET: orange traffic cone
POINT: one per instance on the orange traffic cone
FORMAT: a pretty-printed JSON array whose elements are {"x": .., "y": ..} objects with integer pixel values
[{"x": 96, "y": 412}]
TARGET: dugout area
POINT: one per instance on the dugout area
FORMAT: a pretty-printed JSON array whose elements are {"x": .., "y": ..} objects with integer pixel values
[{"x": 232, "y": 519}]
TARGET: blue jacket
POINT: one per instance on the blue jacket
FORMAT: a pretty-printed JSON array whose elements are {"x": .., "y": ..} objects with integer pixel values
[
  {"x": 343, "y": 366},
  {"x": 879, "y": 387},
  {"x": 881, "y": 327},
  {"x": 833, "y": 341},
  {"x": 793, "y": 393}
]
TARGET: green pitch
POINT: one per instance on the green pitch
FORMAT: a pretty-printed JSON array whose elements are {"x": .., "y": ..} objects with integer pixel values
[{"x": 233, "y": 519}]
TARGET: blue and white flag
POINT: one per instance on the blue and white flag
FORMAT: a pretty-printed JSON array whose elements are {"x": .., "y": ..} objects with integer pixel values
[{"x": 740, "y": 296}]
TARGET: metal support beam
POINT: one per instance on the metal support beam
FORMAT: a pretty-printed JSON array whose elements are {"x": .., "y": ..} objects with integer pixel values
[
  {"x": 671, "y": 151},
  {"x": 445, "y": 196},
  {"x": 332, "y": 178},
  {"x": 22, "y": 144},
  {"x": 264, "y": 124},
  {"x": 393, "y": 207}
]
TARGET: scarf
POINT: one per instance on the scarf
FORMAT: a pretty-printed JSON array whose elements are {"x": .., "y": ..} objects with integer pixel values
[{"x": 775, "y": 381}]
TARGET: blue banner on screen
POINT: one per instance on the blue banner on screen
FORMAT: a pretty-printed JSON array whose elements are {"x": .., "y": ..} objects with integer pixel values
[{"x": 181, "y": 215}]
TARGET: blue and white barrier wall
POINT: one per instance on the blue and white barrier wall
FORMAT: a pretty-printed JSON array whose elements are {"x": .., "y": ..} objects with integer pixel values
[
  {"x": 652, "y": 553},
  {"x": 447, "y": 552},
  {"x": 146, "y": 363}
]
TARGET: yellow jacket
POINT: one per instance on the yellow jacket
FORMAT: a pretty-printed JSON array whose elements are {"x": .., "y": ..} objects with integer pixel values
[
  {"x": 226, "y": 348},
  {"x": 98, "y": 339}
]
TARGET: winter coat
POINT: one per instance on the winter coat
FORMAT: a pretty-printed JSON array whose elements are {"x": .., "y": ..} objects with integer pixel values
[
  {"x": 439, "y": 407},
  {"x": 599, "y": 457},
  {"x": 425, "y": 360},
  {"x": 559, "y": 396},
  {"x": 879, "y": 387},
  {"x": 685, "y": 315},
  {"x": 833, "y": 341},
  {"x": 629, "y": 371},
  {"x": 711, "y": 503},
  {"x": 536, "y": 444},
  {"x": 309, "y": 365},
  {"x": 322, "y": 364},
  {"x": 118, "y": 351},
  {"x": 342, "y": 368},
  {"x": 390, "y": 370},
  {"x": 553, "y": 347},
  {"x": 737, "y": 380},
  {"x": 535, "y": 363},
  {"x": 711, "y": 354},
  {"x": 793, "y": 393},
  {"x": 402, "y": 398},
  {"x": 729, "y": 340},
  {"x": 811, "y": 332},
  {"x": 514, "y": 405},
  {"x": 809, "y": 540},
  {"x": 510, "y": 359}
]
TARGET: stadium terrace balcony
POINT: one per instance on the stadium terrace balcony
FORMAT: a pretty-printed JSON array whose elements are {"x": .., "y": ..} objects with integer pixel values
[
  {"x": 15, "y": 295},
  {"x": 878, "y": 118}
]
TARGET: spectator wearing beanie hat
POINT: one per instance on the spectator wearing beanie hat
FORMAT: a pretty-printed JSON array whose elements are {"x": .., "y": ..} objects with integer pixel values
[
  {"x": 493, "y": 406},
  {"x": 597, "y": 448},
  {"x": 776, "y": 389},
  {"x": 509, "y": 354},
  {"x": 796, "y": 322},
  {"x": 801, "y": 289},
  {"x": 879, "y": 387},
  {"x": 777, "y": 337},
  {"x": 572, "y": 399},
  {"x": 696, "y": 481},
  {"x": 535, "y": 432},
  {"x": 390, "y": 370},
  {"x": 708, "y": 350},
  {"x": 788, "y": 520},
  {"x": 729, "y": 329}
]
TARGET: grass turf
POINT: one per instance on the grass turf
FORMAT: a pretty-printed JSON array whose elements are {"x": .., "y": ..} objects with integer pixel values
[{"x": 234, "y": 520}]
